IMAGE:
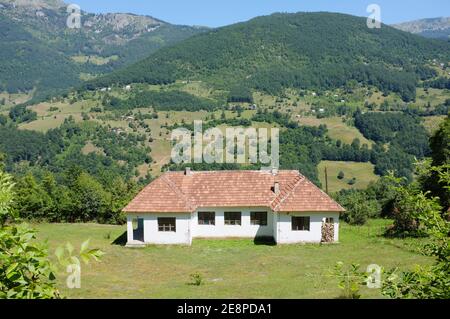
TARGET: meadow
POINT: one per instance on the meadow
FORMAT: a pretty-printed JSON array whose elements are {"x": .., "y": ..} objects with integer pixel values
[
  {"x": 362, "y": 172},
  {"x": 234, "y": 268}
]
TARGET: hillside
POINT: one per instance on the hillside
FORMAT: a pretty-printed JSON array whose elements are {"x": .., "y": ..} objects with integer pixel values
[
  {"x": 338, "y": 101},
  {"x": 104, "y": 43},
  {"x": 26, "y": 62},
  {"x": 438, "y": 28},
  {"x": 302, "y": 50}
]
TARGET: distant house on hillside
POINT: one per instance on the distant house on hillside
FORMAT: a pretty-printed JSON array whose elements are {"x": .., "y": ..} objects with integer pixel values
[{"x": 283, "y": 205}]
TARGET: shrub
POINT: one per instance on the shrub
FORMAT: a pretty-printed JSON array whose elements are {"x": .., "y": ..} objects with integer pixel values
[
  {"x": 350, "y": 280},
  {"x": 341, "y": 175},
  {"x": 359, "y": 206},
  {"x": 196, "y": 279}
]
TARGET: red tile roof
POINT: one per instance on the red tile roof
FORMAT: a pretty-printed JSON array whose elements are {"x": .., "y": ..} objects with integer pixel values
[{"x": 176, "y": 192}]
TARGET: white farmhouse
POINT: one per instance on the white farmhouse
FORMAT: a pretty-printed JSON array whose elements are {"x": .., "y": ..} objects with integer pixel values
[{"x": 283, "y": 205}]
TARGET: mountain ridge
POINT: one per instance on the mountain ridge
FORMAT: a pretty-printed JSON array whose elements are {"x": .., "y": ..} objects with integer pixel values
[
  {"x": 438, "y": 28},
  {"x": 104, "y": 42},
  {"x": 306, "y": 50}
]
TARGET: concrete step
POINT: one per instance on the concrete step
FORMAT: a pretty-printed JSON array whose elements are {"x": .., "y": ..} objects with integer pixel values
[{"x": 135, "y": 244}]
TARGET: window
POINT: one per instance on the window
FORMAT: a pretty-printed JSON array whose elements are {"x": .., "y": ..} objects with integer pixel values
[
  {"x": 206, "y": 218},
  {"x": 258, "y": 218},
  {"x": 329, "y": 220},
  {"x": 232, "y": 218},
  {"x": 167, "y": 225},
  {"x": 300, "y": 223}
]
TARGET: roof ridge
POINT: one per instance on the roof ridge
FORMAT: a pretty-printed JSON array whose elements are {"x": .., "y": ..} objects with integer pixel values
[
  {"x": 179, "y": 192},
  {"x": 237, "y": 171},
  {"x": 279, "y": 200}
]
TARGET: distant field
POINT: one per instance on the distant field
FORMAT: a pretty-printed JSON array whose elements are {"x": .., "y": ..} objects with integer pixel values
[
  {"x": 431, "y": 123},
  {"x": 433, "y": 96},
  {"x": 47, "y": 119},
  {"x": 13, "y": 98},
  {"x": 337, "y": 129},
  {"x": 363, "y": 172},
  {"x": 161, "y": 149},
  {"x": 230, "y": 268},
  {"x": 94, "y": 59}
]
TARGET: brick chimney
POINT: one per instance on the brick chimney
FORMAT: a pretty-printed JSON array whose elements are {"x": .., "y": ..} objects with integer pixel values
[{"x": 276, "y": 188}]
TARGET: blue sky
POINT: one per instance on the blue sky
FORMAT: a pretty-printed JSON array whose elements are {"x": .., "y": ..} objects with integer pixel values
[{"x": 214, "y": 13}]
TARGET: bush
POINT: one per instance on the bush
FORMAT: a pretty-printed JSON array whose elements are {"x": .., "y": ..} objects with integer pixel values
[
  {"x": 196, "y": 279},
  {"x": 408, "y": 205},
  {"x": 359, "y": 206},
  {"x": 350, "y": 280},
  {"x": 341, "y": 175}
]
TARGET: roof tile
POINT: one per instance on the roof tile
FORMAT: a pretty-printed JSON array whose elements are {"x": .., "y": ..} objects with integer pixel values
[{"x": 175, "y": 192}]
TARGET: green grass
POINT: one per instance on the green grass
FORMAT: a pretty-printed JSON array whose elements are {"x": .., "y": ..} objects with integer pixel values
[
  {"x": 337, "y": 129},
  {"x": 47, "y": 119},
  {"x": 433, "y": 96},
  {"x": 230, "y": 268},
  {"x": 432, "y": 123},
  {"x": 94, "y": 59},
  {"x": 363, "y": 172}
]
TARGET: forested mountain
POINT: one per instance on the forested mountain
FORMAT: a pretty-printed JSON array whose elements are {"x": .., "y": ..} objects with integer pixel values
[
  {"x": 302, "y": 50},
  {"x": 40, "y": 50},
  {"x": 438, "y": 28},
  {"x": 26, "y": 62}
]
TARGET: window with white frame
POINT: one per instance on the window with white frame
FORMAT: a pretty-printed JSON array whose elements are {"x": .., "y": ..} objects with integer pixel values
[
  {"x": 233, "y": 218},
  {"x": 258, "y": 218},
  {"x": 301, "y": 223},
  {"x": 167, "y": 224},
  {"x": 206, "y": 218}
]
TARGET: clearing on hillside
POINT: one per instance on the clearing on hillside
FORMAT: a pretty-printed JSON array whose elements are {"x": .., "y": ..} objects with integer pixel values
[{"x": 363, "y": 172}]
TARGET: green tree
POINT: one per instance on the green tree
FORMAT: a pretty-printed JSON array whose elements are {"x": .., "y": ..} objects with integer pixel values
[
  {"x": 33, "y": 202},
  {"x": 90, "y": 199},
  {"x": 426, "y": 282},
  {"x": 359, "y": 206},
  {"x": 440, "y": 155},
  {"x": 3, "y": 119},
  {"x": 25, "y": 269}
]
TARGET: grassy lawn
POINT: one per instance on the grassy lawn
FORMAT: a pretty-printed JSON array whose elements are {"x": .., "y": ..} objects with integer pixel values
[
  {"x": 363, "y": 172},
  {"x": 230, "y": 268}
]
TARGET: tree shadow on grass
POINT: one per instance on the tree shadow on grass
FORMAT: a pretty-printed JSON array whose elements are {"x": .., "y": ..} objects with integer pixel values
[{"x": 121, "y": 240}]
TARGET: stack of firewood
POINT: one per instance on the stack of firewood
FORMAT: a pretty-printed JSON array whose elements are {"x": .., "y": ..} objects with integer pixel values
[{"x": 327, "y": 233}]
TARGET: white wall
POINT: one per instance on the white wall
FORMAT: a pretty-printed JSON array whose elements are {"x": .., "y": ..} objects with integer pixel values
[
  {"x": 153, "y": 236},
  {"x": 187, "y": 227},
  {"x": 220, "y": 230},
  {"x": 285, "y": 234}
]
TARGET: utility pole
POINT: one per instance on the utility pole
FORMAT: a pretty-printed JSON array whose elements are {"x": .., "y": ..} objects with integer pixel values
[{"x": 326, "y": 179}]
